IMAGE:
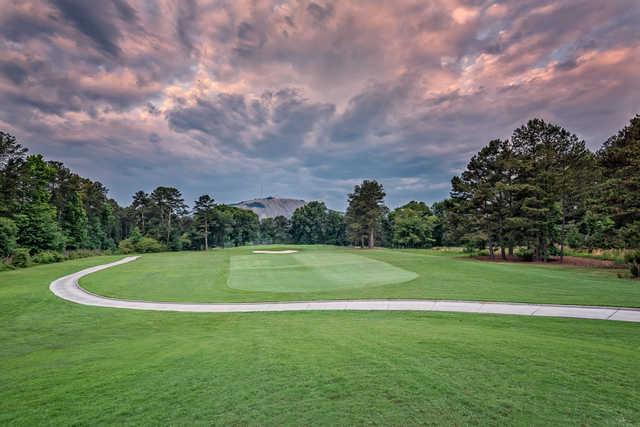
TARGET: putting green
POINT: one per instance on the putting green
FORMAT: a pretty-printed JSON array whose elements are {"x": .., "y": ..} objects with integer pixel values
[{"x": 311, "y": 272}]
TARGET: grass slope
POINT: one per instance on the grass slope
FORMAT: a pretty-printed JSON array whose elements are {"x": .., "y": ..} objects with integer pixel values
[
  {"x": 204, "y": 277},
  {"x": 64, "y": 363}
]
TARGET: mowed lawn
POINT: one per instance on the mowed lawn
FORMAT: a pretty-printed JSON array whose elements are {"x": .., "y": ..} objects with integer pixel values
[
  {"x": 64, "y": 363},
  {"x": 324, "y": 272},
  {"x": 311, "y": 270}
]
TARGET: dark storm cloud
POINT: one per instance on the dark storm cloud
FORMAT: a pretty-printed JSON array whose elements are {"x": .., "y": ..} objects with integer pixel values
[
  {"x": 273, "y": 125},
  {"x": 198, "y": 94},
  {"x": 93, "y": 19},
  {"x": 14, "y": 72}
]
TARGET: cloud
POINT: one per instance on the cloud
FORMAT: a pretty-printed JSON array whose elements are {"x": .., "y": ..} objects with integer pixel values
[
  {"x": 95, "y": 20},
  {"x": 274, "y": 124},
  {"x": 307, "y": 97}
]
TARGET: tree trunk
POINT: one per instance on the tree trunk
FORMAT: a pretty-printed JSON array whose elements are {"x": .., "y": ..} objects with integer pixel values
[
  {"x": 501, "y": 240},
  {"x": 206, "y": 236},
  {"x": 371, "y": 239},
  {"x": 564, "y": 221},
  {"x": 510, "y": 250},
  {"x": 168, "y": 228}
]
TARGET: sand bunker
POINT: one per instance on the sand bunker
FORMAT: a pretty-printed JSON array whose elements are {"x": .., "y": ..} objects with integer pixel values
[{"x": 275, "y": 252}]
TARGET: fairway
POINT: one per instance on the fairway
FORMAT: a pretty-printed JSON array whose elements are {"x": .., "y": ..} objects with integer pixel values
[
  {"x": 68, "y": 364},
  {"x": 311, "y": 271},
  {"x": 335, "y": 273}
]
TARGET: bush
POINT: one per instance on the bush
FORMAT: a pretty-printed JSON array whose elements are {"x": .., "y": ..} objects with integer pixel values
[
  {"x": 147, "y": 244},
  {"x": 8, "y": 236},
  {"x": 143, "y": 245},
  {"x": 21, "y": 257},
  {"x": 525, "y": 254},
  {"x": 126, "y": 246},
  {"x": 633, "y": 261},
  {"x": 48, "y": 257}
]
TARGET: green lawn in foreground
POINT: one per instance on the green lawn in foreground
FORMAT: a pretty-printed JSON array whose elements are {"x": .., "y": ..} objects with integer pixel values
[
  {"x": 65, "y": 364},
  {"x": 205, "y": 277}
]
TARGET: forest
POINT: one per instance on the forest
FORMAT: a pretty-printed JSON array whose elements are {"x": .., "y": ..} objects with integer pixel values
[{"x": 538, "y": 194}]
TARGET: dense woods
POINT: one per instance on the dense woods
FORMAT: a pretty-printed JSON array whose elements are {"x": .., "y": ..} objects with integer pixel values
[
  {"x": 544, "y": 190},
  {"x": 534, "y": 195}
]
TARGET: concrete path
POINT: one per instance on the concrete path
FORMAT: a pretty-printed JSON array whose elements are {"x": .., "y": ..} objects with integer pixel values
[{"x": 67, "y": 288}]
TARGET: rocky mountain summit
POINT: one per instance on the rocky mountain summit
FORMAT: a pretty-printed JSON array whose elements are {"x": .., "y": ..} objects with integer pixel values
[{"x": 271, "y": 207}]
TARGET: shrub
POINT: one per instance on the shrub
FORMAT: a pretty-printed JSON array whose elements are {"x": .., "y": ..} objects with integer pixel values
[
  {"x": 21, "y": 257},
  {"x": 143, "y": 245},
  {"x": 147, "y": 244},
  {"x": 48, "y": 257},
  {"x": 135, "y": 235},
  {"x": 126, "y": 246},
  {"x": 8, "y": 236},
  {"x": 554, "y": 250},
  {"x": 633, "y": 260},
  {"x": 525, "y": 254}
]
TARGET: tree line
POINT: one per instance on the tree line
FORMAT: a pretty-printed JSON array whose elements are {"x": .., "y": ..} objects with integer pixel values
[
  {"x": 543, "y": 190},
  {"x": 538, "y": 192}
]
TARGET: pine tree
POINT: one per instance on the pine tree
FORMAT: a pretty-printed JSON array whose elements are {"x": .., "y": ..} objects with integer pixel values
[
  {"x": 620, "y": 195},
  {"x": 204, "y": 215},
  {"x": 365, "y": 210}
]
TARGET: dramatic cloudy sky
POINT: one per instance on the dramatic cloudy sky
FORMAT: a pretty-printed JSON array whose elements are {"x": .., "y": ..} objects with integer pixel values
[{"x": 306, "y": 98}]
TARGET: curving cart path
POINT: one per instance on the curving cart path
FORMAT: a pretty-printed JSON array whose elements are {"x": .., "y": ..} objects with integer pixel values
[{"x": 67, "y": 288}]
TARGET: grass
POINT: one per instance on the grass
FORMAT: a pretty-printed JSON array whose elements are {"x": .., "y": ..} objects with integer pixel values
[
  {"x": 66, "y": 364},
  {"x": 207, "y": 277},
  {"x": 311, "y": 271}
]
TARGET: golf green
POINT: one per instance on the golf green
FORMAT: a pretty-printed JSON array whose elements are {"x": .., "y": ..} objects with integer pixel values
[{"x": 311, "y": 272}]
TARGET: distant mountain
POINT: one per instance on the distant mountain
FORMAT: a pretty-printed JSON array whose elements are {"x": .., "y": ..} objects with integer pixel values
[{"x": 271, "y": 207}]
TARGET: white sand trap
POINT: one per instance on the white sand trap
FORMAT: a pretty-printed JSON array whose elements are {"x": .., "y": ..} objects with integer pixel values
[{"x": 288, "y": 251}]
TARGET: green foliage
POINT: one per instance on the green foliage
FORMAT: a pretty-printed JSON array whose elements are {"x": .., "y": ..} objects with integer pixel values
[
  {"x": 167, "y": 206},
  {"x": 135, "y": 235},
  {"x": 74, "y": 219},
  {"x": 275, "y": 230},
  {"x": 21, "y": 258},
  {"x": 525, "y": 254},
  {"x": 620, "y": 190},
  {"x": 141, "y": 245},
  {"x": 12, "y": 157},
  {"x": 532, "y": 190},
  {"x": 37, "y": 227},
  {"x": 308, "y": 223},
  {"x": 147, "y": 244},
  {"x": 245, "y": 227},
  {"x": 633, "y": 260},
  {"x": 365, "y": 212},
  {"x": 126, "y": 246},
  {"x": 204, "y": 215},
  {"x": 48, "y": 257},
  {"x": 8, "y": 236},
  {"x": 335, "y": 229},
  {"x": 412, "y": 226}
]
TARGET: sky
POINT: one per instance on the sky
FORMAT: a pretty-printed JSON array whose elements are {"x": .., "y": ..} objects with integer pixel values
[{"x": 305, "y": 99}]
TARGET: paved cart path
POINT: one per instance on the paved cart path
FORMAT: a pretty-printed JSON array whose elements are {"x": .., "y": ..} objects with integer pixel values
[{"x": 67, "y": 288}]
